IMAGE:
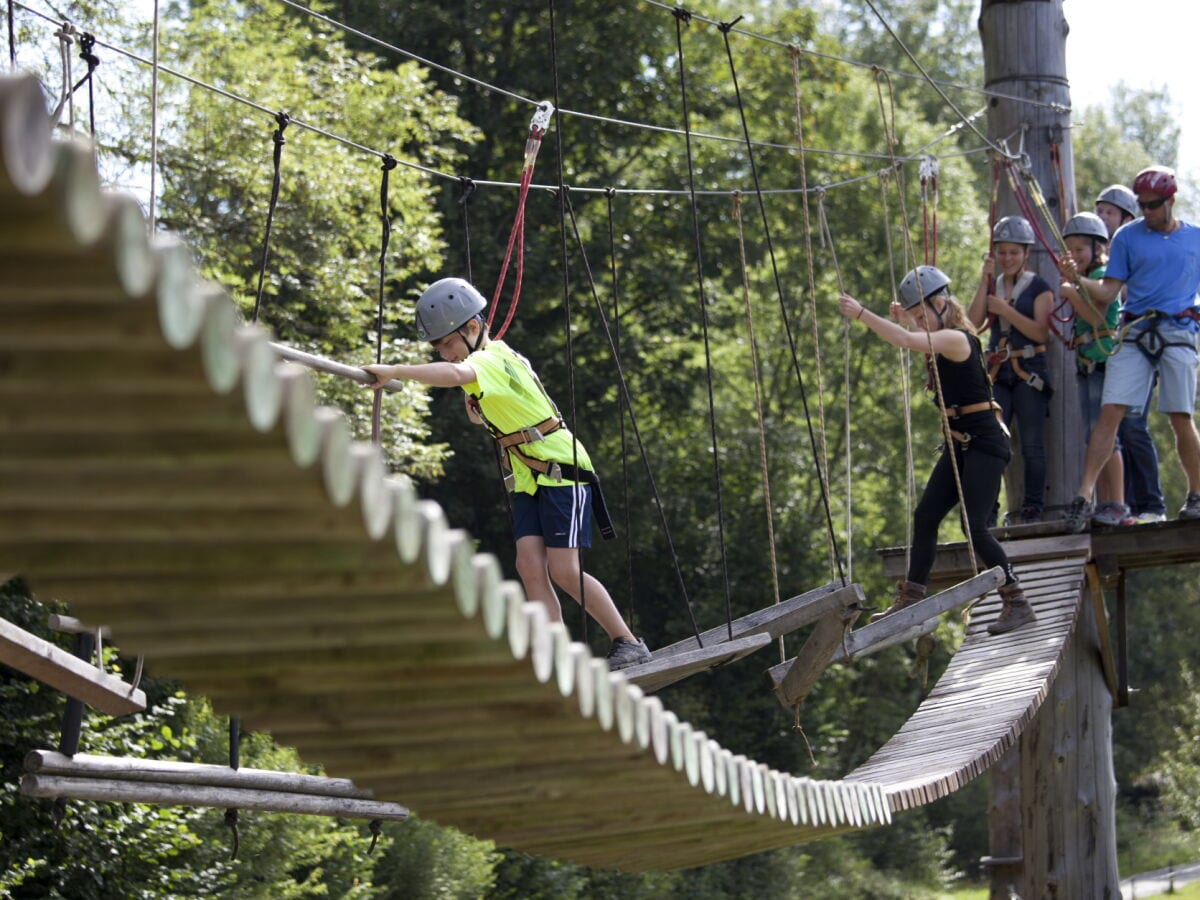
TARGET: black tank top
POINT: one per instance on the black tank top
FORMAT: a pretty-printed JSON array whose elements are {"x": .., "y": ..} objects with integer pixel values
[{"x": 965, "y": 383}]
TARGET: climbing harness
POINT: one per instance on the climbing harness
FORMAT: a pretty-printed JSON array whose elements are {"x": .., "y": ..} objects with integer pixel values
[
  {"x": 538, "y": 126},
  {"x": 1004, "y": 351},
  {"x": 1149, "y": 340}
]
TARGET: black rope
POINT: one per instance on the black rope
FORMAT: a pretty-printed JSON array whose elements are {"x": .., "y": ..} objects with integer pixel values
[
  {"x": 682, "y": 17},
  {"x": 12, "y": 37},
  {"x": 464, "y": 200},
  {"x": 566, "y": 285},
  {"x": 616, "y": 317},
  {"x": 637, "y": 434},
  {"x": 281, "y": 119},
  {"x": 787, "y": 327},
  {"x": 235, "y": 747},
  {"x": 72, "y": 725},
  {"x": 385, "y": 217},
  {"x": 87, "y": 42},
  {"x": 376, "y": 829}
]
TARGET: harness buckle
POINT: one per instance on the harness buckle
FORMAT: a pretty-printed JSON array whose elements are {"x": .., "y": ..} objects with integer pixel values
[
  {"x": 554, "y": 471},
  {"x": 999, "y": 356},
  {"x": 510, "y": 482},
  {"x": 532, "y": 434},
  {"x": 1036, "y": 381}
]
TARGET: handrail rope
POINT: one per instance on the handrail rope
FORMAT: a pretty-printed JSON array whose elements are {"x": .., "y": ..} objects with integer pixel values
[
  {"x": 153, "y": 205},
  {"x": 681, "y": 19},
  {"x": 910, "y": 476},
  {"x": 385, "y": 219},
  {"x": 645, "y": 126},
  {"x": 531, "y": 149},
  {"x": 1057, "y": 107},
  {"x": 637, "y": 433},
  {"x": 299, "y": 123},
  {"x": 827, "y": 239},
  {"x": 787, "y": 326},
  {"x": 889, "y": 129},
  {"x": 616, "y": 300},
  {"x": 282, "y": 120},
  {"x": 758, "y": 410},
  {"x": 822, "y": 442}
]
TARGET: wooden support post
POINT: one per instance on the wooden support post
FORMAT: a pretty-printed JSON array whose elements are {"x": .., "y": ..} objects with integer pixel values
[
  {"x": 802, "y": 674},
  {"x": 1102, "y": 632},
  {"x": 76, "y": 678}
]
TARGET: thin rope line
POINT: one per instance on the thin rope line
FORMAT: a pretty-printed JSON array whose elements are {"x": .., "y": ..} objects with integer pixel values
[
  {"x": 758, "y": 409},
  {"x": 821, "y": 455},
  {"x": 282, "y": 121},
  {"x": 762, "y": 208},
  {"x": 12, "y": 37},
  {"x": 154, "y": 123},
  {"x": 680, "y": 21},
  {"x": 637, "y": 433}
]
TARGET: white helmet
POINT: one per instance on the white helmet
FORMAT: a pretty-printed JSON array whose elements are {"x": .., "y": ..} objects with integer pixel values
[
  {"x": 1013, "y": 230},
  {"x": 1087, "y": 224},
  {"x": 1122, "y": 198},
  {"x": 920, "y": 284},
  {"x": 446, "y": 306}
]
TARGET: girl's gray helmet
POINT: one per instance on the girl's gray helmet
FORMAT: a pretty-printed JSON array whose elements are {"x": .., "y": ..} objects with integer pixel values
[
  {"x": 446, "y": 306},
  {"x": 1121, "y": 197},
  {"x": 1087, "y": 224},
  {"x": 920, "y": 283},
  {"x": 1013, "y": 230}
]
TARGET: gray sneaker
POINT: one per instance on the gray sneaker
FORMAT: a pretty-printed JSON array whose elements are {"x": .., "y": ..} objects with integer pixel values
[
  {"x": 1079, "y": 513},
  {"x": 625, "y": 653},
  {"x": 1113, "y": 514},
  {"x": 1149, "y": 518},
  {"x": 1191, "y": 508}
]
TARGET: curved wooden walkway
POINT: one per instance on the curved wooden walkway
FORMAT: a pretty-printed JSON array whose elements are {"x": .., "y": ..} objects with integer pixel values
[{"x": 165, "y": 473}]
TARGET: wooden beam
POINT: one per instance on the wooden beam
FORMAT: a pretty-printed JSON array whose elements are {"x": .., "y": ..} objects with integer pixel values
[
  {"x": 107, "y": 790},
  {"x": 165, "y": 771},
  {"x": 953, "y": 561},
  {"x": 803, "y": 671},
  {"x": 905, "y": 624},
  {"x": 56, "y": 667},
  {"x": 658, "y": 673},
  {"x": 780, "y": 619}
]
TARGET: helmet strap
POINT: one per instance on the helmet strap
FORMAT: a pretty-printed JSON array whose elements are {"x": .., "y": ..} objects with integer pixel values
[{"x": 463, "y": 333}]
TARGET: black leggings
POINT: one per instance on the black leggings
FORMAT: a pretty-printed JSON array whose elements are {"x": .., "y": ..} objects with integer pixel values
[{"x": 980, "y": 473}]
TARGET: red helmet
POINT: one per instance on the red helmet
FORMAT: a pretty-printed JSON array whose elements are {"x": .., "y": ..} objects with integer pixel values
[{"x": 1156, "y": 180}]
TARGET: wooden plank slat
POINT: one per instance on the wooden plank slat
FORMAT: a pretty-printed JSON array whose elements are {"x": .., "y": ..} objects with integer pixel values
[
  {"x": 50, "y": 664},
  {"x": 658, "y": 673}
]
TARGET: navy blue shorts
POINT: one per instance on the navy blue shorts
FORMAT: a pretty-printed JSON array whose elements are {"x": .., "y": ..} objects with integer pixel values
[{"x": 560, "y": 515}]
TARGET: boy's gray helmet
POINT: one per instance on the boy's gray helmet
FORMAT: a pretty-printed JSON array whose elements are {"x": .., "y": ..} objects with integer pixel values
[
  {"x": 1086, "y": 224},
  {"x": 446, "y": 306},
  {"x": 922, "y": 282},
  {"x": 1013, "y": 230},
  {"x": 1121, "y": 197}
]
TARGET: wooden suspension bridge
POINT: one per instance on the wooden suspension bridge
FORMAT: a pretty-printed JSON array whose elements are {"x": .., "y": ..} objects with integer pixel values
[{"x": 195, "y": 499}]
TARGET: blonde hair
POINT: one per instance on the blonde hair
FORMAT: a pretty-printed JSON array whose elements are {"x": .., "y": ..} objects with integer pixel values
[{"x": 953, "y": 316}]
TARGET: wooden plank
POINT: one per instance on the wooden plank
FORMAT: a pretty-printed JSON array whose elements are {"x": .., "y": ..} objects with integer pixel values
[
  {"x": 658, "y": 673},
  {"x": 107, "y": 790},
  {"x": 778, "y": 620},
  {"x": 76, "y": 678},
  {"x": 953, "y": 561},
  {"x": 802, "y": 674},
  {"x": 920, "y": 618}
]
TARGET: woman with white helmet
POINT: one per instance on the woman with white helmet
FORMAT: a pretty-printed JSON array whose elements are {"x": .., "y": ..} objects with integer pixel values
[
  {"x": 1019, "y": 310},
  {"x": 1086, "y": 237},
  {"x": 980, "y": 450}
]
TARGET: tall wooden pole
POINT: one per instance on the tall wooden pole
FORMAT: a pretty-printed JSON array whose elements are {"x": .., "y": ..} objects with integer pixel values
[{"x": 1052, "y": 812}]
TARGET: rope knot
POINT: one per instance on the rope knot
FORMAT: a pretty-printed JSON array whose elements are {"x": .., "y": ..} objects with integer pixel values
[
  {"x": 388, "y": 163},
  {"x": 727, "y": 27},
  {"x": 86, "y": 43},
  {"x": 682, "y": 15},
  {"x": 282, "y": 119},
  {"x": 468, "y": 189}
]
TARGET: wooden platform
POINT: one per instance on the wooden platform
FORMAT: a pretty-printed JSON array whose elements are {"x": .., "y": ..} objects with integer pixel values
[
  {"x": 991, "y": 690},
  {"x": 167, "y": 475}
]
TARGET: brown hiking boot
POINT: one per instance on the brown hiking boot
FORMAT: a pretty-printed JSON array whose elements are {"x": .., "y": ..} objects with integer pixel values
[
  {"x": 907, "y": 593},
  {"x": 1015, "y": 612}
]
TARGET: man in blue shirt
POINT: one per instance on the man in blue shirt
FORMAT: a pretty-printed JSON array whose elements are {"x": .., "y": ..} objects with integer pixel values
[{"x": 1157, "y": 257}]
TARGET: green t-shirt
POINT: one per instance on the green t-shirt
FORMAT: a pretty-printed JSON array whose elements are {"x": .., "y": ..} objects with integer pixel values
[
  {"x": 513, "y": 398},
  {"x": 1099, "y": 349}
]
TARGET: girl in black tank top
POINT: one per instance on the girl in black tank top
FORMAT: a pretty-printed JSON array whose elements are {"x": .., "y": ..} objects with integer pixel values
[{"x": 938, "y": 327}]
